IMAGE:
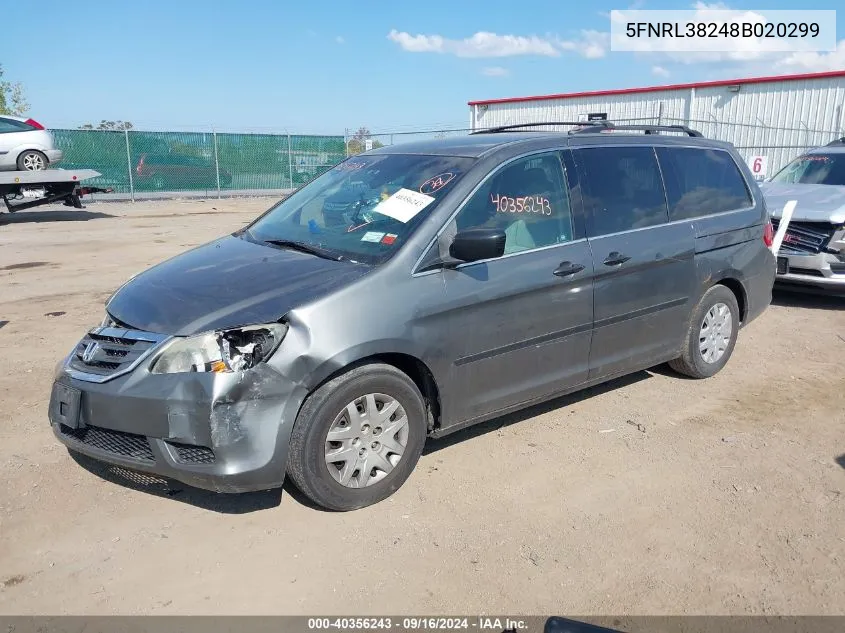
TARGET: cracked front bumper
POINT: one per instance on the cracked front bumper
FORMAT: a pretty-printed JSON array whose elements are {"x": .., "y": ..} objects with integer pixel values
[{"x": 220, "y": 432}]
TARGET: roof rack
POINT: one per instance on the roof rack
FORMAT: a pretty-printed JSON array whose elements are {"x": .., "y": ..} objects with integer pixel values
[
  {"x": 838, "y": 141},
  {"x": 652, "y": 129},
  {"x": 591, "y": 127}
]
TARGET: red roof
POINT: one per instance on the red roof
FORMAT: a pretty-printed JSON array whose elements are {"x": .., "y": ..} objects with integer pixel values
[{"x": 701, "y": 84}]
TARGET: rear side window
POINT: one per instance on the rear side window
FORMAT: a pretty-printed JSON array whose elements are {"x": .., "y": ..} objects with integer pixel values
[
  {"x": 10, "y": 125},
  {"x": 621, "y": 188},
  {"x": 701, "y": 182}
]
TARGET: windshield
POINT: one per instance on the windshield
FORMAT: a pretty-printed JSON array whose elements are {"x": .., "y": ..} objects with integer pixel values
[
  {"x": 814, "y": 169},
  {"x": 363, "y": 209}
]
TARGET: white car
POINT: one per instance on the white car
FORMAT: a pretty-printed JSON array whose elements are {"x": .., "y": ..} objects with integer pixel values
[
  {"x": 26, "y": 145},
  {"x": 813, "y": 251}
]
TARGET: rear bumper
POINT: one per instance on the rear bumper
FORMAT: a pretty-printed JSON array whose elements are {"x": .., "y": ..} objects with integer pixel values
[
  {"x": 219, "y": 432},
  {"x": 758, "y": 289},
  {"x": 54, "y": 155}
]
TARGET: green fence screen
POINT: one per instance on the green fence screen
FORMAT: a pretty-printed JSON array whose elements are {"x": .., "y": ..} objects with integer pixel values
[{"x": 137, "y": 162}]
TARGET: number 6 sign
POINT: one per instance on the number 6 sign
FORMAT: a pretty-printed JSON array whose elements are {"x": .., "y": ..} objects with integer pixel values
[{"x": 758, "y": 166}]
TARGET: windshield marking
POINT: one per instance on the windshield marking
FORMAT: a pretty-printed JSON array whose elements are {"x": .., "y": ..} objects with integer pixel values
[
  {"x": 403, "y": 205},
  {"x": 436, "y": 183},
  {"x": 372, "y": 236}
]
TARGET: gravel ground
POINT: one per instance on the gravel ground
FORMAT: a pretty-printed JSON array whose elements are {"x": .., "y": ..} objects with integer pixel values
[{"x": 650, "y": 495}]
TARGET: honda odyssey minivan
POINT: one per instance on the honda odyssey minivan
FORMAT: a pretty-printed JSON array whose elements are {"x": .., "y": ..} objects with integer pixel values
[{"x": 490, "y": 273}]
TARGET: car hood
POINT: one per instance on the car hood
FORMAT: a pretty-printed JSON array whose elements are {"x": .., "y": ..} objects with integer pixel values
[
  {"x": 816, "y": 203},
  {"x": 229, "y": 282}
]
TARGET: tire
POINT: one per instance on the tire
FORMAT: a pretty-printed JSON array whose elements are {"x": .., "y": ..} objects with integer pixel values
[
  {"x": 327, "y": 409},
  {"x": 32, "y": 160},
  {"x": 692, "y": 361},
  {"x": 158, "y": 183}
]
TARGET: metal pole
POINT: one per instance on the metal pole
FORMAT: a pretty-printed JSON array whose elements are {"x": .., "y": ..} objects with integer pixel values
[
  {"x": 129, "y": 166},
  {"x": 290, "y": 163},
  {"x": 216, "y": 162}
]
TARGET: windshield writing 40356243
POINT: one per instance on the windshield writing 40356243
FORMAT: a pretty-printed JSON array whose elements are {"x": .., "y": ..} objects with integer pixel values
[{"x": 524, "y": 204}]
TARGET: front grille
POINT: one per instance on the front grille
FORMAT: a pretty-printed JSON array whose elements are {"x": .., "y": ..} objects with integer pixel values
[
  {"x": 117, "y": 442},
  {"x": 108, "y": 351},
  {"x": 806, "y": 237},
  {"x": 188, "y": 454}
]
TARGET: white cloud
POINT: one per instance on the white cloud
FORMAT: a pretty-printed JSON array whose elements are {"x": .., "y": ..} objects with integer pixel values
[
  {"x": 816, "y": 62},
  {"x": 339, "y": 39},
  {"x": 482, "y": 44},
  {"x": 659, "y": 71},
  {"x": 589, "y": 44},
  {"x": 495, "y": 71}
]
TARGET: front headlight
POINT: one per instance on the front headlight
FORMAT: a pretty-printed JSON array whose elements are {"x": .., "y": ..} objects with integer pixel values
[{"x": 223, "y": 351}]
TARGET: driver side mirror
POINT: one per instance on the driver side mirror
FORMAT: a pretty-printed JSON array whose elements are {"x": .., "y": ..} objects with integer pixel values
[{"x": 473, "y": 245}]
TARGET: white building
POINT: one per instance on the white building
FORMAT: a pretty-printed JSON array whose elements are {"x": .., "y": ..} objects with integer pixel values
[{"x": 773, "y": 117}]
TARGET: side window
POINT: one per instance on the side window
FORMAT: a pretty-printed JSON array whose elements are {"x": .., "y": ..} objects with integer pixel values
[
  {"x": 701, "y": 182},
  {"x": 622, "y": 189},
  {"x": 7, "y": 125},
  {"x": 527, "y": 199}
]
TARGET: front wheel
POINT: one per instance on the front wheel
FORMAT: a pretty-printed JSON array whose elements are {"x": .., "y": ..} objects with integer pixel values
[
  {"x": 711, "y": 335},
  {"x": 357, "y": 438}
]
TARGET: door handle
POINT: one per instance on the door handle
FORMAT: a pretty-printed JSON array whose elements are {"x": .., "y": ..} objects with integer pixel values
[
  {"x": 615, "y": 258},
  {"x": 567, "y": 268}
]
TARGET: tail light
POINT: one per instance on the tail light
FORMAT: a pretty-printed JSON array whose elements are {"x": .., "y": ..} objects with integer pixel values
[
  {"x": 140, "y": 168},
  {"x": 34, "y": 123},
  {"x": 769, "y": 234}
]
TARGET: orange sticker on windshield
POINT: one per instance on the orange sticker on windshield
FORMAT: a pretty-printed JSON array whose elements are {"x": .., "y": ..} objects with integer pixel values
[{"x": 436, "y": 183}]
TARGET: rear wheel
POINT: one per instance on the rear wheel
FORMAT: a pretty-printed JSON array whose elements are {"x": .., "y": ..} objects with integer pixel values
[
  {"x": 357, "y": 438},
  {"x": 32, "y": 160},
  {"x": 711, "y": 336}
]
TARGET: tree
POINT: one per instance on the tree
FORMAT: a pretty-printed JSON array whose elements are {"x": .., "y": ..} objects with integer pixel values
[
  {"x": 108, "y": 125},
  {"x": 358, "y": 142},
  {"x": 12, "y": 100}
]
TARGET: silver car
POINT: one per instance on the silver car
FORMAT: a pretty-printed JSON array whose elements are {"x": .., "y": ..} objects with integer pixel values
[
  {"x": 26, "y": 145},
  {"x": 812, "y": 255}
]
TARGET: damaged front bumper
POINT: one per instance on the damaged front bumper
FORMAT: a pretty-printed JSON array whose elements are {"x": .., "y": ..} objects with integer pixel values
[
  {"x": 823, "y": 266},
  {"x": 226, "y": 432}
]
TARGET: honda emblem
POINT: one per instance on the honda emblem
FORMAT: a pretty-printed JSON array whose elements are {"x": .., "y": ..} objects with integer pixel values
[{"x": 90, "y": 351}]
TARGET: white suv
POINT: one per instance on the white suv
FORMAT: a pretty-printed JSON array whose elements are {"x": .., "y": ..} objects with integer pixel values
[{"x": 25, "y": 145}]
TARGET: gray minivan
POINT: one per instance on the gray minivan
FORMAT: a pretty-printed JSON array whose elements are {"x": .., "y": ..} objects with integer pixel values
[{"x": 472, "y": 277}]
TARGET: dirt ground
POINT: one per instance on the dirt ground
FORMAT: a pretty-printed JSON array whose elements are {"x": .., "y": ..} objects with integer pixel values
[{"x": 654, "y": 495}]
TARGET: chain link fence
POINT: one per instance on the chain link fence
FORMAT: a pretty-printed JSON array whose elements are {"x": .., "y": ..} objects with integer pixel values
[
  {"x": 137, "y": 163},
  {"x": 775, "y": 146}
]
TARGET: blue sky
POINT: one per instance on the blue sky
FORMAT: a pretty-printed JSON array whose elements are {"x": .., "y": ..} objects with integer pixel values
[{"x": 320, "y": 67}]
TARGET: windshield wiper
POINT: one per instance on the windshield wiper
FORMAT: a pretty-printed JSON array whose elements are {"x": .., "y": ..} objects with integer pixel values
[{"x": 307, "y": 248}]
